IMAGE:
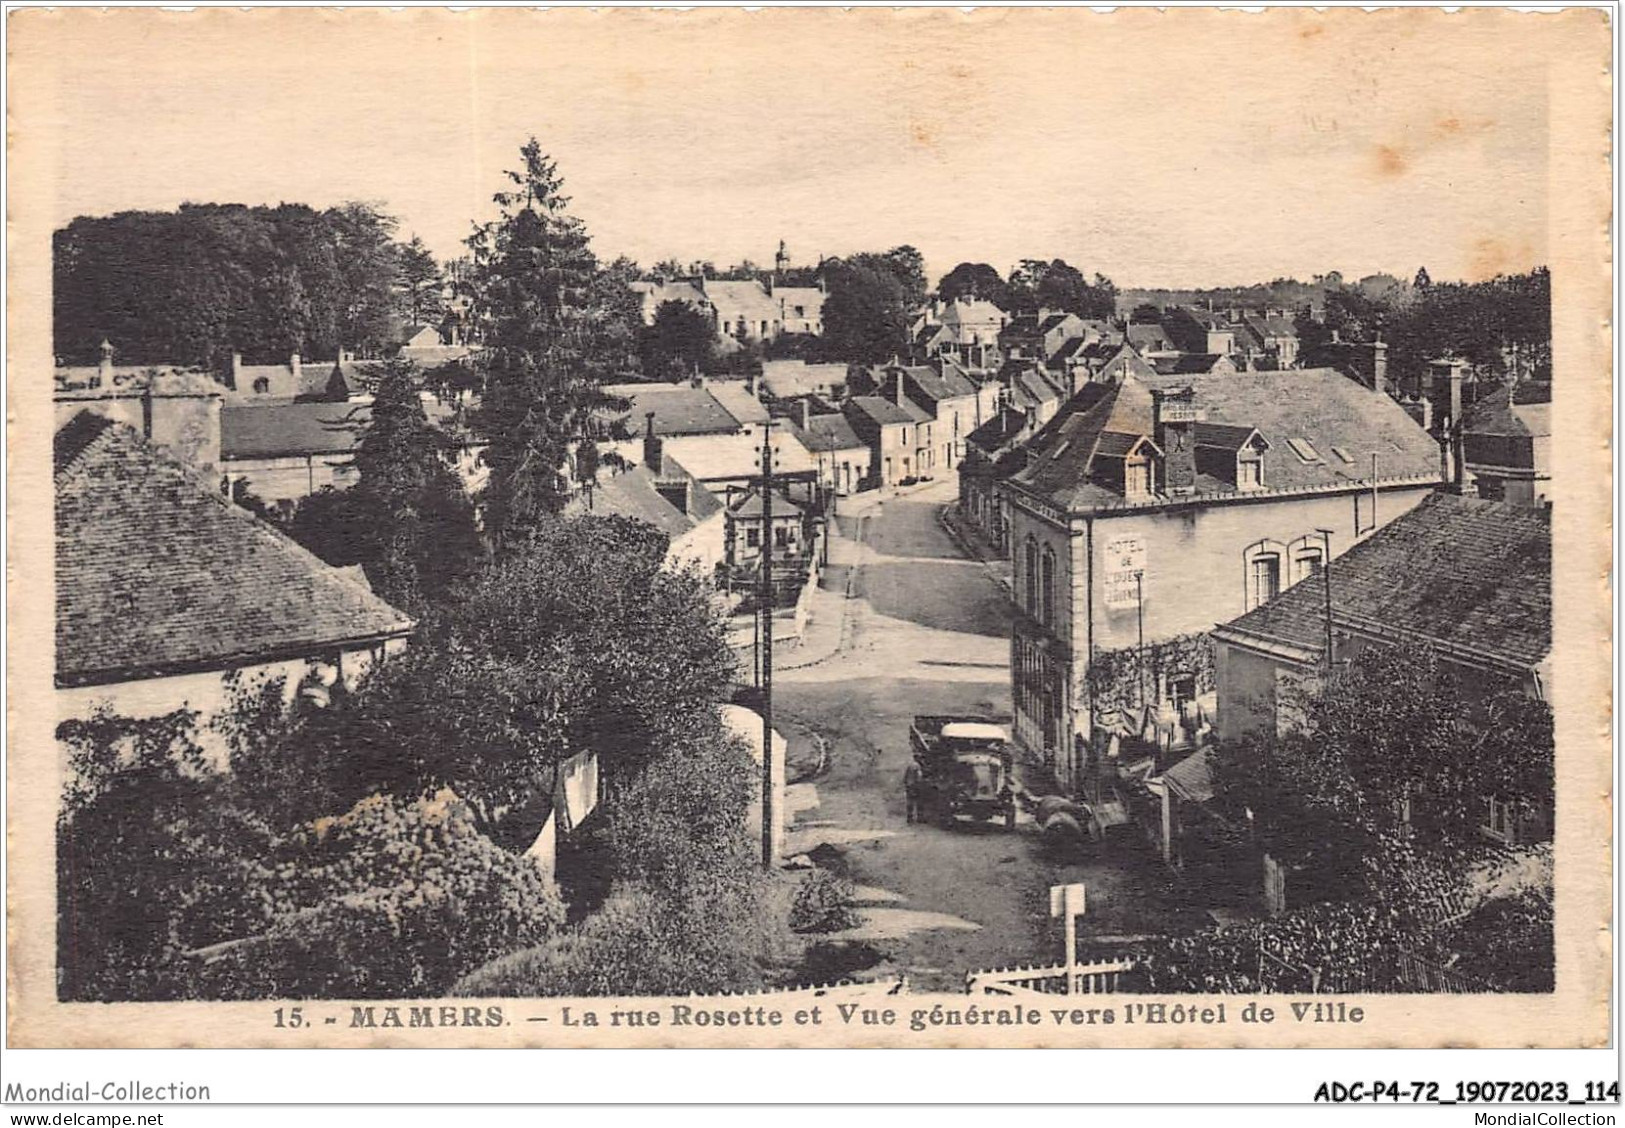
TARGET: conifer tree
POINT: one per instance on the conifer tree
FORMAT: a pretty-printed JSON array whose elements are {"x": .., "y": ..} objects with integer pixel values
[{"x": 550, "y": 320}]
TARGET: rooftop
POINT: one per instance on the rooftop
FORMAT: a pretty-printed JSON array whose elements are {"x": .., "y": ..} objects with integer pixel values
[
  {"x": 827, "y": 432},
  {"x": 157, "y": 573},
  {"x": 635, "y": 494},
  {"x": 714, "y": 408},
  {"x": 1316, "y": 411},
  {"x": 1460, "y": 573},
  {"x": 880, "y": 410},
  {"x": 279, "y": 430}
]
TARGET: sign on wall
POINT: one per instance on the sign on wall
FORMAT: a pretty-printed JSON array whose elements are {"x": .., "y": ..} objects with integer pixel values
[{"x": 1124, "y": 560}]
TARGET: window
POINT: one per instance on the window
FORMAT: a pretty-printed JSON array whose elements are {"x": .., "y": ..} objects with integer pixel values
[
  {"x": 1306, "y": 563},
  {"x": 1137, "y": 479},
  {"x": 753, "y": 536},
  {"x": 1343, "y": 456},
  {"x": 1047, "y": 587},
  {"x": 781, "y": 537},
  {"x": 801, "y": 311},
  {"x": 1303, "y": 450},
  {"x": 1263, "y": 579},
  {"x": 1030, "y": 576},
  {"x": 1249, "y": 473},
  {"x": 262, "y": 386}
]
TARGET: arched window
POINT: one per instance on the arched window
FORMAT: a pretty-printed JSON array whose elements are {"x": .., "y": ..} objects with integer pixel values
[
  {"x": 1264, "y": 565},
  {"x": 1030, "y": 576},
  {"x": 1047, "y": 587},
  {"x": 1308, "y": 557}
]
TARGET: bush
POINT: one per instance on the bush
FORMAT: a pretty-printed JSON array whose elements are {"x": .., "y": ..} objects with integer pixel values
[
  {"x": 687, "y": 911},
  {"x": 823, "y": 903}
]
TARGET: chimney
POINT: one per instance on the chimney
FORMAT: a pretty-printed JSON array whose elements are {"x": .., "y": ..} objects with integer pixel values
[
  {"x": 897, "y": 388},
  {"x": 1175, "y": 416},
  {"x": 806, "y": 413},
  {"x": 104, "y": 367},
  {"x": 1379, "y": 365},
  {"x": 293, "y": 363},
  {"x": 653, "y": 448},
  {"x": 236, "y": 368}
]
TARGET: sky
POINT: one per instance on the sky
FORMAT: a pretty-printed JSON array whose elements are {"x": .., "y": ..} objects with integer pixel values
[{"x": 1185, "y": 148}]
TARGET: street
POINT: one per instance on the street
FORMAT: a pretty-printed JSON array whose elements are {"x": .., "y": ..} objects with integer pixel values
[{"x": 926, "y": 630}]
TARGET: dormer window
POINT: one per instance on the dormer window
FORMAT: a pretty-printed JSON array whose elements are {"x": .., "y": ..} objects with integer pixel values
[
  {"x": 1137, "y": 478},
  {"x": 1249, "y": 471}
]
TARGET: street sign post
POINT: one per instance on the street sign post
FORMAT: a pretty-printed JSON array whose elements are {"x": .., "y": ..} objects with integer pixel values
[{"x": 1067, "y": 902}]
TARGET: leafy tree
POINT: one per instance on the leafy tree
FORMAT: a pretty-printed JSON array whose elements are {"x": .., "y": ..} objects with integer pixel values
[
  {"x": 577, "y": 640},
  {"x": 149, "y": 863},
  {"x": 1146, "y": 314},
  {"x": 192, "y": 286},
  {"x": 422, "y": 284},
  {"x": 865, "y": 315},
  {"x": 905, "y": 264},
  {"x": 680, "y": 342},
  {"x": 1423, "y": 280},
  {"x": 1036, "y": 284},
  {"x": 551, "y": 335},
  {"x": 974, "y": 280}
]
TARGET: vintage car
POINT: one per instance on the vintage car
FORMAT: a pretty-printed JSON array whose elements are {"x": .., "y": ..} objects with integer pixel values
[{"x": 961, "y": 766}]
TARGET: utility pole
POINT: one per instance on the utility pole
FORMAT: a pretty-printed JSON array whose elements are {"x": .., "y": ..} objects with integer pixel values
[
  {"x": 1326, "y": 576},
  {"x": 769, "y": 845}
]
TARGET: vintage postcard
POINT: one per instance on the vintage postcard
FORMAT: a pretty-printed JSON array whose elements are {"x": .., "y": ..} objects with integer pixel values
[{"x": 809, "y": 527}]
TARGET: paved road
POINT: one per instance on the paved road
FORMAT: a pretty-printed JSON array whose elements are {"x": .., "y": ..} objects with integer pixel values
[{"x": 927, "y": 630}]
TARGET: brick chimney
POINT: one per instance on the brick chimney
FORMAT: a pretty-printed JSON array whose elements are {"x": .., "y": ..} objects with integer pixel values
[
  {"x": 805, "y": 404},
  {"x": 1175, "y": 414},
  {"x": 236, "y": 368},
  {"x": 293, "y": 363},
  {"x": 897, "y": 387},
  {"x": 654, "y": 449}
]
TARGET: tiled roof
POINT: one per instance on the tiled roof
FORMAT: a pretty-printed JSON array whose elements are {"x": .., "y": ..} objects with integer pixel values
[
  {"x": 157, "y": 573},
  {"x": 279, "y": 430},
  {"x": 1186, "y": 363},
  {"x": 1317, "y": 406},
  {"x": 879, "y": 410},
  {"x": 926, "y": 384},
  {"x": 998, "y": 432},
  {"x": 1462, "y": 573},
  {"x": 827, "y": 432},
  {"x": 751, "y": 506},
  {"x": 735, "y": 299},
  {"x": 786, "y": 379},
  {"x": 1225, "y": 436},
  {"x": 1495, "y": 416},
  {"x": 634, "y": 493},
  {"x": 737, "y": 401},
  {"x": 1152, "y": 337},
  {"x": 681, "y": 409},
  {"x": 975, "y": 311}
]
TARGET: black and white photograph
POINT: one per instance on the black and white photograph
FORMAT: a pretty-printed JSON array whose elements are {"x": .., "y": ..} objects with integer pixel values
[{"x": 930, "y": 513}]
